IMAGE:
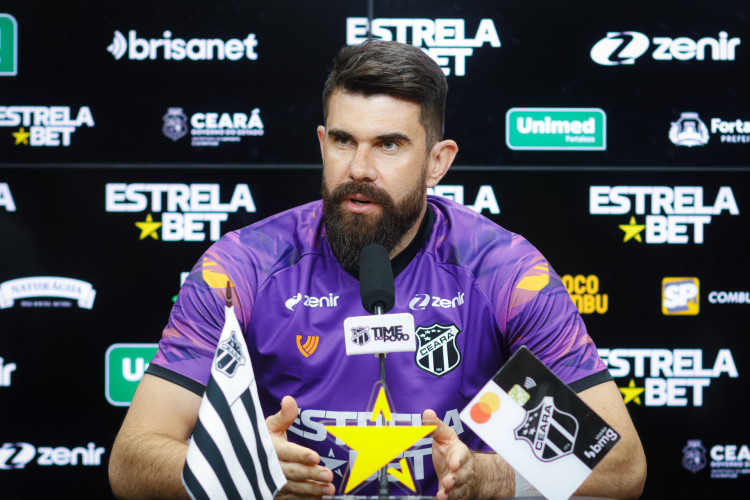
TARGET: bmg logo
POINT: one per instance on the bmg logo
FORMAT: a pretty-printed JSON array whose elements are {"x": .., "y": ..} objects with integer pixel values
[{"x": 680, "y": 296}]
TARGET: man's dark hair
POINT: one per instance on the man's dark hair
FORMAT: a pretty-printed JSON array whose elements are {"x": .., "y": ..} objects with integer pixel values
[{"x": 395, "y": 69}]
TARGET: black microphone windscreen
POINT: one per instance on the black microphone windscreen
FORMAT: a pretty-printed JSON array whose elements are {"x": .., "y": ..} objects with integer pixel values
[{"x": 376, "y": 278}]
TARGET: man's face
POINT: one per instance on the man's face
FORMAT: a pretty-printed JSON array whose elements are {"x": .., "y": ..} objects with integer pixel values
[{"x": 374, "y": 171}]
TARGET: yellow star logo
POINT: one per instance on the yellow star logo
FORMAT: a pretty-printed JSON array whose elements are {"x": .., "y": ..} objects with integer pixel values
[
  {"x": 148, "y": 227},
  {"x": 22, "y": 137},
  {"x": 632, "y": 230},
  {"x": 377, "y": 446},
  {"x": 632, "y": 393}
]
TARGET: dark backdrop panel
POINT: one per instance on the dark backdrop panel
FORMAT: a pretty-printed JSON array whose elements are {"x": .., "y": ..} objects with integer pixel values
[{"x": 682, "y": 375}]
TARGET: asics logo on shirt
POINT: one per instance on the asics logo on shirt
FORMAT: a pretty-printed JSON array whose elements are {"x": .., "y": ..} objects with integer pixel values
[
  {"x": 330, "y": 300},
  {"x": 422, "y": 300}
]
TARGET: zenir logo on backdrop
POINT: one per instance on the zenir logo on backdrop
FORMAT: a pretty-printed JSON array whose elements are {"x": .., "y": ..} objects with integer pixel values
[
  {"x": 19, "y": 455},
  {"x": 5, "y": 370},
  {"x": 623, "y": 48},
  {"x": 443, "y": 39},
  {"x": 8, "y": 45},
  {"x": 212, "y": 129},
  {"x": 670, "y": 377},
  {"x": 50, "y": 126},
  {"x": 556, "y": 129},
  {"x": 187, "y": 208},
  {"x": 670, "y": 212}
]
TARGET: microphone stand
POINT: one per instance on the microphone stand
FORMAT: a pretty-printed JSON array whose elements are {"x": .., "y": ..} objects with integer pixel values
[{"x": 384, "y": 489}]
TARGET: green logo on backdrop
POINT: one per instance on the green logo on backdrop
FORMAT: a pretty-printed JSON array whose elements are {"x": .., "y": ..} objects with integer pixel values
[
  {"x": 558, "y": 129},
  {"x": 8, "y": 45},
  {"x": 124, "y": 366}
]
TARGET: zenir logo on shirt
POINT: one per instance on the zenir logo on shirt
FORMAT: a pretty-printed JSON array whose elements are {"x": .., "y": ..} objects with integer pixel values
[{"x": 437, "y": 352}]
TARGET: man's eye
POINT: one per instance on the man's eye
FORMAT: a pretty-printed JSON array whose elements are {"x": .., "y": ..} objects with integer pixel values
[{"x": 390, "y": 146}]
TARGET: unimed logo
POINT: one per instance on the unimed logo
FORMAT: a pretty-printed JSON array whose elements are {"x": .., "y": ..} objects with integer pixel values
[
  {"x": 8, "y": 45},
  {"x": 561, "y": 129},
  {"x": 124, "y": 366}
]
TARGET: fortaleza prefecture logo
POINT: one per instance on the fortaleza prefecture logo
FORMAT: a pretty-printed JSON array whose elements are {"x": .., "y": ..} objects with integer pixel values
[
  {"x": 8, "y": 45},
  {"x": 19, "y": 455},
  {"x": 666, "y": 377},
  {"x": 42, "y": 288},
  {"x": 50, "y": 126},
  {"x": 443, "y": 39},
  {"x": 624, "y": 47},
  {"x": 179, "y": 49},
  {"x": 556, "y": 129},
  {"x": 188, "y": 211},
  {"x": 212, "y": 129},
  {"x": 670, "y": 212},
  {"x": 689, "y": 130}
]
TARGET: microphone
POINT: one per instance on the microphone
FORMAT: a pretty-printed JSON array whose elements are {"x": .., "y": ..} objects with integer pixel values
[{"x": 376, "y": 286}]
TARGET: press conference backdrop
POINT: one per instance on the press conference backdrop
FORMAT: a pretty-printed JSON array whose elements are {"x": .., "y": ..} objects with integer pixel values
[{"x": 614, "y": 136}]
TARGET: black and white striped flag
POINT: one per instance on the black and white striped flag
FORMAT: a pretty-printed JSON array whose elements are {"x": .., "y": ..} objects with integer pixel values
[{"x": 230, "y": 453}]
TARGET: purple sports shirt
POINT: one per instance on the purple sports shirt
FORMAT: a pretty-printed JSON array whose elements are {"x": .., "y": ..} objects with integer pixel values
[{"x": 477, "y": 293}]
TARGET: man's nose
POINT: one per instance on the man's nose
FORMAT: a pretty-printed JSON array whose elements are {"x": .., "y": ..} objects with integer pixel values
[{"x": 362, "y": 168}]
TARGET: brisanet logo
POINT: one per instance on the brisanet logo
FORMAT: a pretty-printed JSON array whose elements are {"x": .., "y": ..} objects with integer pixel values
[
  {"x": 556, "y": 129},
  {"x": 8, "y": 45},
  {"x": 680, "y": 296},
  {"x": 443, "y": 39},
  {"x": 624, "y": 47},
  {"x": 179, "y": 49},
  {"x": 43, "y": 287},
  {"x": 187, "y": 208},
  {"x": 124, "y": 366}
]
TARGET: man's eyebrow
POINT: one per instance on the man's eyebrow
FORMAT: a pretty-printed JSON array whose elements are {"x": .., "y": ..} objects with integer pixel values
[
  {"x": 340, "y": 134},
  {"x": 394, "y": 137}
]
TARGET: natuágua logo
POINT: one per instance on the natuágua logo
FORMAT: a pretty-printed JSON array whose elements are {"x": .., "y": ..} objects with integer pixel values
[
  {"x": 124, "y": 367},
  {"x": 8, "y": 45},
  {"x": 559, "y": 129}
]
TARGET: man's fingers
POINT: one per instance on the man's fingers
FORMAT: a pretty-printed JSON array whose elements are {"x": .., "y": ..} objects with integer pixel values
[
  {"x": 443, "y": 434},
  {"x": 299, "y": 472},
  {"x": 292, "y": 452},
  {"x": 279, "y": 422},
  {"x": 305, "y": 489}
]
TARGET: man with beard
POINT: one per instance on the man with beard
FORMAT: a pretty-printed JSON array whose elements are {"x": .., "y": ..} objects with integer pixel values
[{"x": 477, "y": 293}]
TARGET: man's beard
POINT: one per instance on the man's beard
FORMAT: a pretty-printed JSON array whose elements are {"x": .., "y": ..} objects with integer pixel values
[{"x": 348, "y": 233}]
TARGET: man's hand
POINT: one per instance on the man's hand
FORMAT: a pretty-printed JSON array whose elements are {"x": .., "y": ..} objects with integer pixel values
[
  {"x": 454, "y": 462},
  {"x": 300, "y": 465}
]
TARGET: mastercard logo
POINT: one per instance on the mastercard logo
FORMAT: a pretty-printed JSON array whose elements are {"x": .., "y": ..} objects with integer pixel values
[{"x": 485, "y": 407}]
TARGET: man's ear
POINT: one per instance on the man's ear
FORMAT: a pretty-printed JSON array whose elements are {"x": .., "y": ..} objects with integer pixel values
[
  {"x": 441, "y": 158},
  {"x": 322, "y": 140}
]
